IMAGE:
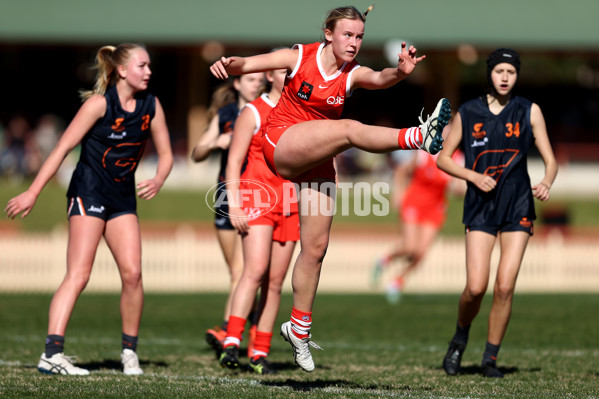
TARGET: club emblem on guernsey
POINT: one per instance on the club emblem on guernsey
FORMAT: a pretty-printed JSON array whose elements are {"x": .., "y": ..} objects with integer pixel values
[{"x": 305, "y": 91}]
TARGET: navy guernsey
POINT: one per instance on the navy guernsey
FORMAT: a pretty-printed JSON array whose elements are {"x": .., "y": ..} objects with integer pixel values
[
  {"x": 111, "y": 150},
  {"x": 497, "y": 146}
]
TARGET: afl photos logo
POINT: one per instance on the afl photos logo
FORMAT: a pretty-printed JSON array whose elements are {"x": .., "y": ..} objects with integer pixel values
[
  {"x": 305, "y": 91},
  {"x": 254, "y": 197}
]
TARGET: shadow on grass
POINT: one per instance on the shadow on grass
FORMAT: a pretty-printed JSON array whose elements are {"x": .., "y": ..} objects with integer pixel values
[
  {"x": 477, "y": 370},
  {"x": 116, "y": 364},
  {"x": 277, "y": 366},
  {"x": 307, "y": 386}
]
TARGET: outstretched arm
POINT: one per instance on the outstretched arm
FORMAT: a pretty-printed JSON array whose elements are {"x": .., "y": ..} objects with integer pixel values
[
  {"x": 280, "y": 59},
  {"x": 366, "y": 78},
  {"x": 92, "y": 110}
]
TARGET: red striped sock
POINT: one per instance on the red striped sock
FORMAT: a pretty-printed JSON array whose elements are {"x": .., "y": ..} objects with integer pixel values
[
  {"x": 410, "y": 138},
  {"x": 234, "y": 331},
  {"x": 261, "y": 344},
  {"x": 300, "y": 322}
]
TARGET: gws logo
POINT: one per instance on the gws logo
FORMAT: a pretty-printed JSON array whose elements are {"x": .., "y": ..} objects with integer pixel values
[
  {"x": 254, "y": 197},
  {"x": 117, "y": 127},
  {"x": 477, "y": 133},
  {"x": 526, "y": 223},
  {"x": 335, "y": 100},
  {"x": 305, "y": 91}
]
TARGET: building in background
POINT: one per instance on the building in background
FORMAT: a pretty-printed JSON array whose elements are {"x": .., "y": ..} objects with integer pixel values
[{"x": 42, "y": 43}]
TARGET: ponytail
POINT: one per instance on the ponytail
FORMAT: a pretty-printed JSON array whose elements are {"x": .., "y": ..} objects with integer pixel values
[
  {"x": 370, "y": 8},
  {"x": 108, "y": 60}
]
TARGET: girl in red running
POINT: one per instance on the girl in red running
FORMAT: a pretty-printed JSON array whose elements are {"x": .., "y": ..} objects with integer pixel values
[
  {"x": 304, "y": 132},
  {"x": 268, "y": 223},
  {"x": 422, "y": 207},
  {"x": 227, "y": 101}
]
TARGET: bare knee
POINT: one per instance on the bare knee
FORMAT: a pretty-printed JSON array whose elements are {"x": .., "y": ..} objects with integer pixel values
[
  {"x": 275, "y": 287},
  {"x": 131, "y": 277},
  {"x": 475, "y": 292},
  {"x": 77, "y": 280},
  {"x": 316, "y": 250},
  {"x": 254, "y": 273},
  {"x": 503, "y": 292},
  {"x": 352, "y": 128}
]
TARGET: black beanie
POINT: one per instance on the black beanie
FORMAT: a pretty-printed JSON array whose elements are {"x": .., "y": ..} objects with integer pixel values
[{"x": 502, "y": 55}]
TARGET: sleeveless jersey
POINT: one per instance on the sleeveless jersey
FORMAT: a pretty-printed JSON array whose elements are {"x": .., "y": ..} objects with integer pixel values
[
  {"x": 309, "y": 94},
  {"x": 227, "y": 115},
  {"x": 111, "y": 150},
  {"x": 256, "y": 168},
  {"x": 498, "y": 146}
]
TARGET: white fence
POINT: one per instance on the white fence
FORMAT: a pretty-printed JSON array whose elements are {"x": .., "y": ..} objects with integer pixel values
[{"x": 189, "y": 260}]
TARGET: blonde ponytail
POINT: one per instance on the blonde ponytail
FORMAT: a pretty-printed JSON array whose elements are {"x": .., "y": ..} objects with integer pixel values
[
  {"x": 370, "y": 8},
  {"x": 108, "y": 59}
]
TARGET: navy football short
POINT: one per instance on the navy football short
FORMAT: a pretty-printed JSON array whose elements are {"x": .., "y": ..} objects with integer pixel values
[
  {"x": 524, "y": 225},
  {"x": 86, "y": 206},
  {"x": 221, "y": 217}
]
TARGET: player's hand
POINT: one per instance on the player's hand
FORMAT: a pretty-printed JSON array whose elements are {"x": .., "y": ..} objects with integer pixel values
[
  {"x": 148, "y": 189},
  {"x": 541, "y": 192},
  {"x": 219, "y": 68},
  {"x": 23, "y": 202},
  {"x": 223, "y": 141},
  {"x": 407, "y": 59},
  {"x": 484, "y": 183},
  {"x": 239, "y": 219}
]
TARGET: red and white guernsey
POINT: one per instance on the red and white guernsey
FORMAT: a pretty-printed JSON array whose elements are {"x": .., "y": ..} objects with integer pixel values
[
  {"x": 256, "y": 169},
  {"x": 310, "y": 94}
]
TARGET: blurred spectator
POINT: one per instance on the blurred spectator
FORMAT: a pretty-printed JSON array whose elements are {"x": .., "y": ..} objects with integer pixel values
[
  {"x": 12, "y": 159},
  {"x": 47, "y": 132}
]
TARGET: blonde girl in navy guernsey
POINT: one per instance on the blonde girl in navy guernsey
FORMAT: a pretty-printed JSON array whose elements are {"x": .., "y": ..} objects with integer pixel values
[
  {"x": 110, "y": 154},
  {"x": 304, "y": 133},
  {"x": 112, "y": 126},
  {"x": 495, "y": 133}
]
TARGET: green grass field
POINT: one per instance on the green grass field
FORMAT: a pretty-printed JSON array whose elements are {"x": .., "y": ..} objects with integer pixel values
[{"x": 371, "y": 349}]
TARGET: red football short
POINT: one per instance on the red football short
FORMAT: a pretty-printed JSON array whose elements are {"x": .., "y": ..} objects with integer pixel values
[
  {"x": 285, "y": 227},
  {"x": 272, "y": 134}
]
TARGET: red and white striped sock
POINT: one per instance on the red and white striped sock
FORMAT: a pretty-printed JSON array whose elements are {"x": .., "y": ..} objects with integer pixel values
[
  {"x": 300, "y": 323},
  {"x": 234, "y": 331},
  {"x": 410, "y": 138}
]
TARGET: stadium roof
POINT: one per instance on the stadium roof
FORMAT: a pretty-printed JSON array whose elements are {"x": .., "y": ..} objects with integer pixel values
[{"x": 534, "y": 24}]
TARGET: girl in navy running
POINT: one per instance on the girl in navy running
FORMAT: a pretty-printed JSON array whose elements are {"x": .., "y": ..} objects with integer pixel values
[
  {"x": 112, "y": 126},
  {"x": 495, "y": 133}
]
